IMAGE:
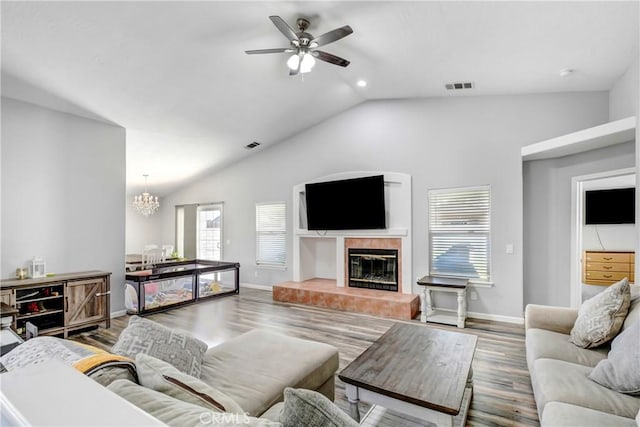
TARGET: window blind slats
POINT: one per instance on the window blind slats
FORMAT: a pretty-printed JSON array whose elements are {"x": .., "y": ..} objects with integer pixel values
[
  {"x": 271, "y": 234},
  {"x": 459, "y": 232}
]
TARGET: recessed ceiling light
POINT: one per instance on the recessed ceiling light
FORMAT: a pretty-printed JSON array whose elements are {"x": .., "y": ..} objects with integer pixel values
[
  {"x": 362, "y": 83},
  {"x": 565, "y": 72}
]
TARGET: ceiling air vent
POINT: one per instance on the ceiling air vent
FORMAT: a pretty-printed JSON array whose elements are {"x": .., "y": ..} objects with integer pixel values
[
  {"x": 252, "y": 145},
  {"x": 459, "y": 85}
]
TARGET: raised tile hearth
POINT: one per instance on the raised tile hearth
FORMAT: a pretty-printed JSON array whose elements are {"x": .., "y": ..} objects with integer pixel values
[{"x": 325, "y": 293}]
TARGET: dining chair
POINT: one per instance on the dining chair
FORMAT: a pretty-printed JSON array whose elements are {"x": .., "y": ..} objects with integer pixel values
[
  {"x": 152, "y": 256},
  {"x": 168, "y": 250}
]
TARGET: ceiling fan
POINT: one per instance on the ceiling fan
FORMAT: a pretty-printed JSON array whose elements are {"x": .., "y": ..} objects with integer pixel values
[{"x": 303, "y": 45}]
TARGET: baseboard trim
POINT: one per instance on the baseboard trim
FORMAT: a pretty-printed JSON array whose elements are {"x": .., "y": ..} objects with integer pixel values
[
  {"x": 253, "y": 286},
  {"x": 118, "y": 313},
  {"x": 496, "y": 318}
]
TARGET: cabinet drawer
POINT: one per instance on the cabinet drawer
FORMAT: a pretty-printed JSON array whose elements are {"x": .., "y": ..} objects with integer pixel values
[
  {"x": 609, "y": 266},
  {"x": 606, "y": 275},
  {"x": 599, "y": 282},
  {"x": 624, "y": 257}
]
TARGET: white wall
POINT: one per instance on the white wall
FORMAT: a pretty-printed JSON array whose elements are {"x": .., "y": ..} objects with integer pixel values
[
  {"x": 63, "y": 193},
  {"x": 547, "y": 218},
  {"x": 141, "y": 230},
  {"x": 623, "y": 96},
  {"x": 442, "y": 142}
]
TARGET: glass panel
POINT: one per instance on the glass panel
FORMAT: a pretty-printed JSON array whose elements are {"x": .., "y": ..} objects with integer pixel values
[
  {"x": 160, "y": 293},
  {"x": 373, "y": 268},
  {"x": 216, "y": 282}
]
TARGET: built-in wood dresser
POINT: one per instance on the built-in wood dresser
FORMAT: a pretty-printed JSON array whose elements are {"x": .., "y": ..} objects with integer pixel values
[{"x": 607, "y": 267}]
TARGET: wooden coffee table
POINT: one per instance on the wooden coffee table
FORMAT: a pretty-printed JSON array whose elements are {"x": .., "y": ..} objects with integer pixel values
[{"x": 417, "y": 370}]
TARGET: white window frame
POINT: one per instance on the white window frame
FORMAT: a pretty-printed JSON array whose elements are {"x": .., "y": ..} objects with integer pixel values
[
  {"x": 459, "y": 226},
  {"x": 280, "y": 230}
]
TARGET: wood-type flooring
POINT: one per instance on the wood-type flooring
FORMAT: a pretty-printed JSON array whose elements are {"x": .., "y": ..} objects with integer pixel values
[{"x": 502, "y": 387}]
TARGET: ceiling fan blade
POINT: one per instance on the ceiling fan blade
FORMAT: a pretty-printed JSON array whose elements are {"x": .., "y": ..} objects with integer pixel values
[
  {"x": 276, "y": 50},
  {"x": 332, "y": 59},
  {"x": 331, "y": 36},
  {"x": 284, "y": 28}
]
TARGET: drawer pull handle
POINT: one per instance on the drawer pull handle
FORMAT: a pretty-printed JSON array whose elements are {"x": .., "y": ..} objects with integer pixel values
[
  {"x": 608, "y": 276},
  {"x": 101, "y": 294},
  {"x": 607, "y": 258},
  {"x": 607, "y": 267}
]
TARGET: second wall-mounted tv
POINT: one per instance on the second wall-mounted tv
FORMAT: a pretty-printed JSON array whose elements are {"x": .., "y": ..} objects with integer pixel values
[
  {"x": 349, "y": 204},
  {"x": 615, "y": 206}
]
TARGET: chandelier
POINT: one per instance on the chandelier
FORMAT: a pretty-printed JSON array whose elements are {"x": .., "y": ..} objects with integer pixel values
[{"x": 145, "y": 203}]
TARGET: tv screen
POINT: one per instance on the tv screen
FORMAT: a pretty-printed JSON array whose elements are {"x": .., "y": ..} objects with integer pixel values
[
  {"x": 350, "y": 204},
  {"x": 616, "y": 206}
]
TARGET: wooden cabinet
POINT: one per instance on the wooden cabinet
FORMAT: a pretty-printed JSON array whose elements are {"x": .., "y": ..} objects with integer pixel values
[
  {"x": 605, "y": 268},
  {"x": 62, "y": 303},
  {"x": 87, "y": 301},
  {"x": 8, "y": 296}
]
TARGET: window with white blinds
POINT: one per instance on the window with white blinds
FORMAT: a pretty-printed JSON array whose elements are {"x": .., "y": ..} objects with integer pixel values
[
  {"x": 460, "y": 232},
  {"x": 271, "y": 234}
]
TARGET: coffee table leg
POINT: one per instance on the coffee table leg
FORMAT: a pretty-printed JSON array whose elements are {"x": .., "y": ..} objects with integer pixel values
[{"x": 351, "y": 392}]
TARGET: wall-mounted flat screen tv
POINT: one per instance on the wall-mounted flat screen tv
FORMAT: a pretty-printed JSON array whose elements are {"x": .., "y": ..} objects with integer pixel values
[
  {"x": 615, "y": 206},
  {"x": 349, "y": 204}
]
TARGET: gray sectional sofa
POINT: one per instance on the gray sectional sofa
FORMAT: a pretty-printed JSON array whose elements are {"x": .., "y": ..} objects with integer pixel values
[
  {"x": 559, "y": 371},
  {"x": 177, "y": 379}
]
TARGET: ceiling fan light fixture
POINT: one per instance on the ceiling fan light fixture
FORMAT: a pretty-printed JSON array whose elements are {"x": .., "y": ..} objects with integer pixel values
[
  {"x": 307, "y": 63},
  {"x": 293, "y": 62},
  {"x": 304, "y": 44}
]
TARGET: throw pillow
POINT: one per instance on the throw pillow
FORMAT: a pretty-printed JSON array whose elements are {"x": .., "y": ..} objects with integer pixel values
[
  {"x": 161, "y": 376},
  {"x": 177, "y": 413},
  {"x": 311, "y": 409},
  {"x": 620, "y": 371},
  {"x": 601, "y": 316},
  {"x": 176, "y": 347}
]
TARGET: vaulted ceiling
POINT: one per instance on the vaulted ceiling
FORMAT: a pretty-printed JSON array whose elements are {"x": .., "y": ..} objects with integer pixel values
[{"x": 175, "y": 74}]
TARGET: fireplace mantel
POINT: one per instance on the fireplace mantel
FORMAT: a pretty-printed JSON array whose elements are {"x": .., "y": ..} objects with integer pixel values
[{"x": 322, "y": 254}]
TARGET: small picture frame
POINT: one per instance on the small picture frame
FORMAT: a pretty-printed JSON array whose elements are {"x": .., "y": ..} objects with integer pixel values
[{"x": 38, "y": 268}]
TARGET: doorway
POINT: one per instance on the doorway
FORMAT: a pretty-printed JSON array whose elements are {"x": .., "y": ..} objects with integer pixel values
[
  {"x": 614, "y": 237},
  {"x": 199, "y": 231},
  {"x": 209, "y": 234}
]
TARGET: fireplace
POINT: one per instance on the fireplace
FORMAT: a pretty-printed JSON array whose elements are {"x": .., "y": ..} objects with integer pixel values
[{"x": 373, "y": 269}]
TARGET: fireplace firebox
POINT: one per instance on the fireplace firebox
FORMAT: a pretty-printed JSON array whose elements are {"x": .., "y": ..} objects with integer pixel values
[{"x": 373, "y": 269}]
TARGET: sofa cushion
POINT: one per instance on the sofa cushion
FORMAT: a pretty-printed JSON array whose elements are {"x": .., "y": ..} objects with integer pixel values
[
  {"x": 601, "y": 316},
  {"x": 274, "y": 413},
  {"x": 310, "y": 409},
  {"x": 556, "y": 380},
  {"x": 174, "y": 412},
  {"x": 176, "y": 347},
  {"x": 160, "y": 376},
  {"x": 543, "y": 344},
  {"x": 620, "y": 371},
  {"x": 558, "y": 414},
  {"x": 254, "y": 368}
]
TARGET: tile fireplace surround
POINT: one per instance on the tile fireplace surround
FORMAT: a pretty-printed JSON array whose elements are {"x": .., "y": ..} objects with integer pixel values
[
  {"x": 372, "y": 243},
  {"x": 326, "y": 292}
]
